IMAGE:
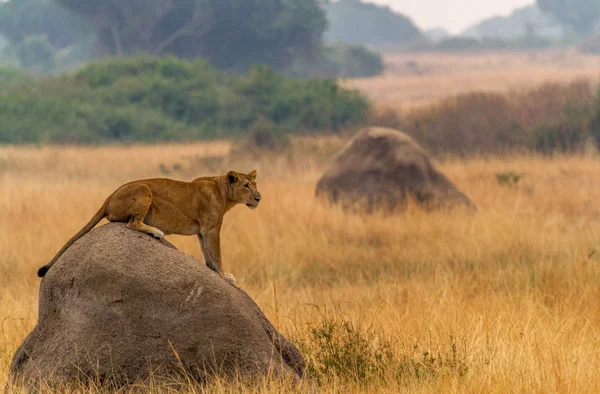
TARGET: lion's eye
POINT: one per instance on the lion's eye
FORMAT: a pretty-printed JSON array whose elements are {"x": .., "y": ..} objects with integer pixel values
[{"x": 247, "y": 186}]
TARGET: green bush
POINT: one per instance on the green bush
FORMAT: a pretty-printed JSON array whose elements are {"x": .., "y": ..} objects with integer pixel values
[
  {"x": 265, "y": 134},
  {"x": 336, "y": 348},
  {"x": 357, "y": 61},
  {"x": 311, "y": 104},
  {"x": 339, "y": 348},
  {"x": 508, "y": 178},
  {"x": 155, "y": 99},
  {"x": 11, "y": 77},
  {"x": 350, "y": 61}
]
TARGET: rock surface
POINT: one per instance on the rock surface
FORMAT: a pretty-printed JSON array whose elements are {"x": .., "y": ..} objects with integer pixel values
[
  {"x": 119, "y": 304},
  {"x": 380, "y": 168}
]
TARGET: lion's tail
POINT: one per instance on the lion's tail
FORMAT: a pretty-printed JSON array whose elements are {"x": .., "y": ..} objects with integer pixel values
[{"x": 93, "y": 222}]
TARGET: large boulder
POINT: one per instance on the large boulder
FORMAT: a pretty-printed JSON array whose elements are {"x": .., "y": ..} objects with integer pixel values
[
  {"x": 120, "y": 306},
  {"x": 380, "y": 168}
]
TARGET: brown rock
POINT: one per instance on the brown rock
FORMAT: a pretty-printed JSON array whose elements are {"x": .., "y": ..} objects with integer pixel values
[
  {"x": 380, "y": 168},
  {"x": 119, "y": 304}
]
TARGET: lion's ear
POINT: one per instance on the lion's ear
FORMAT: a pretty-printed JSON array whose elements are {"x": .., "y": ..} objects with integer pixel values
[
  {"x": 232, "y": 177},
  {"x": 252, "y": 175}
]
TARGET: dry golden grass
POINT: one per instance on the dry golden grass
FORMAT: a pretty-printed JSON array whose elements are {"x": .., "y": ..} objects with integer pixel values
[
  {"x": 418, "y": 79},
  {"x": 505, "y": 300}
]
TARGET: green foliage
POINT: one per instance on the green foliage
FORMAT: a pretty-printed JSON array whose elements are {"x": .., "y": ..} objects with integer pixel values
[
  {"x": 42, "y": 35},
  {"x": 36, "y": 53},
  {"x": 29, "y": 118},
  {"x": 355, "y": 22},
  {"x": 310, "y": 104},
  {"x": 264, "y": 134},
  {"x": 342, "y": 349},
  {"x": 154, "y": 99},
  {"x": 351, "y": 61},
  {"x": 357, "y": 61},
  {"x": 580, "y": 15},
  {"x": 11, "y": 77},
  {"x": 338, "y": 348},
  {"x": 508, "y": 178},
  {"x": 232, "y": 34},
  {"x": 74, "y": 56}
]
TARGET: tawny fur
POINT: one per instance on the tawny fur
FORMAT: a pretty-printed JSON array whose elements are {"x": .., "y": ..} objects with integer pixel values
[{"x": 164, "y": 206}]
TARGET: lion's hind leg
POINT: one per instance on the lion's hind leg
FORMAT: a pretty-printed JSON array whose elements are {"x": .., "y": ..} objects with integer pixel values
[{"x": 132, "y": 203}]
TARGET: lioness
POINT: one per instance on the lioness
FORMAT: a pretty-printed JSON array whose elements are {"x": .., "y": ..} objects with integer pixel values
[{"x": 165, "y": 206}]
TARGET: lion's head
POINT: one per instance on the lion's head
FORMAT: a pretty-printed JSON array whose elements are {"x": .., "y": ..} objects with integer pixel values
[{"x": 242, "y": 188}]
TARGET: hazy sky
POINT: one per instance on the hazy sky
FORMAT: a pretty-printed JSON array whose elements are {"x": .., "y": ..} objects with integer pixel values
[{"x": 453, "y": 15}]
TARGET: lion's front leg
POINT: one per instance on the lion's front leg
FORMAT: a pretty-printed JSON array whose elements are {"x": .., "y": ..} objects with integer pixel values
[
  {"x": 210, "y": 242},
  {"x": 209, "y": 259}
]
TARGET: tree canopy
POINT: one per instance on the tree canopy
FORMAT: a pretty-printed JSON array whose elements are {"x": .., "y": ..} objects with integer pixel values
[
  {"x": 42, "y": 36},
  {"x": 580, "y": 15},
  {"x": 233, "y": 34},
  {"x": 52, "y": 36}
]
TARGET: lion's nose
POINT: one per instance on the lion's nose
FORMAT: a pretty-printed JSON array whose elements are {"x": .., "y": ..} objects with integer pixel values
[{"x": 257, "y": 198}]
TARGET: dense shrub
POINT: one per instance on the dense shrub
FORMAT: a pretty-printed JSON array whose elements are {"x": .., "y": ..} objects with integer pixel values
[
  {"x": 553, "y": 117},
  {"x": 358, "y": 61},
  {"x": 343, "y": 349},
  {"x": 350, "y": 61},
  {"x": 339, "y": 349},
  {"x": 10, "y": 77},
  {"x": 151, "y": 99},
  {"x": 264, "y": 134}
]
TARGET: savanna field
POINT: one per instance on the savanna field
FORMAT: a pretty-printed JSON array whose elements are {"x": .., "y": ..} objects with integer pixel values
[{"x": 503, "y": 300}]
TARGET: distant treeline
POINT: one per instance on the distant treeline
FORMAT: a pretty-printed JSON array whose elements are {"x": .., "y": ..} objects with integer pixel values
[
  {"x": 548, "y": 23},
  {"x": 54, "y": 36},
  {"x": 167, "y": 99},
  {"x": 161, "y": 99},
  {"x": 357, "y": 22}
]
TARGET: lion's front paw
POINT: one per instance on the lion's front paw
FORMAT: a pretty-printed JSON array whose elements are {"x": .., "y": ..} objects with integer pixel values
[
  {"x": 158, "y": 234},
  {"x": 229, "y": 278}
]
